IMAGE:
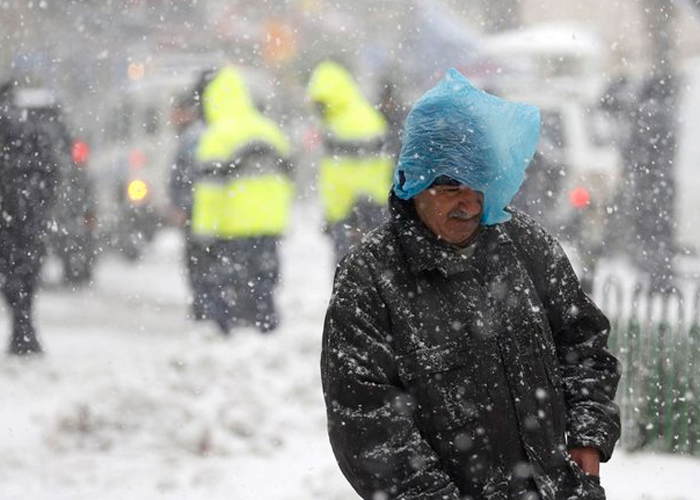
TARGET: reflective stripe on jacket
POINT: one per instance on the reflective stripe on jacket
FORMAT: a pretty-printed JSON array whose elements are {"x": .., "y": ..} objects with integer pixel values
[
  {"x": 249, "y": 206},
  {"x": 345, "y": 179}
]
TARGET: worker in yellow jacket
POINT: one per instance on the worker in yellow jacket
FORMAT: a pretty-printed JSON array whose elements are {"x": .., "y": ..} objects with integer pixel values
[
  {"x": 241, "y": 206},
  {"x": 355, "y": 172}
]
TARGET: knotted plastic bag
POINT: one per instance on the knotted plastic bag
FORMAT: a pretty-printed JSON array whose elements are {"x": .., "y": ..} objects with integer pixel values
[{"x": 473, "y": 137}]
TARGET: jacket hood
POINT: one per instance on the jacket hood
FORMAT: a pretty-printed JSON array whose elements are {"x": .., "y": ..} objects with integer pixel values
[
  {"x": 464, "y": 133},
  {"x": 347, "y": 114},
  {"x": 332, "y": 85},
  {"x": 233, "y": 122},
  {"x": 227, "y": 97}
]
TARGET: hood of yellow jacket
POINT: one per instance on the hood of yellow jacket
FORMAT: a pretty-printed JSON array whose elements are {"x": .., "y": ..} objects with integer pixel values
[
  {"x": 333, "y": 86},
  {"x": 227, "y": 97}
]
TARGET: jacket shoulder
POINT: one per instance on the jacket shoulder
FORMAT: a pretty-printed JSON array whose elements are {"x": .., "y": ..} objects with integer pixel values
[
  {"x": 376, "y": 250},
  {"x": 535, "y": 244},
  {"x": 524, "y": 228},
  {"x": 520, "y": 220}
]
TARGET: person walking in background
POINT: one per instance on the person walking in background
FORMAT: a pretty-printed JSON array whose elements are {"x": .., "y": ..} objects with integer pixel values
[
  {"x": 391, "y": 105},
  {"x": 73, "y": 236},
  {"x": 461, "y": 359},
  {"x": 355, "y": 172},
  {"x": 241, "y": 206},
  {"x": 188, "y": 121},
  {"x": 649, "y": 186},
  {"x": 29, "y": 175}
]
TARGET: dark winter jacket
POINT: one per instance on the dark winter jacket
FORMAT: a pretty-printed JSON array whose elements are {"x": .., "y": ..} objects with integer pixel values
[
  {"x": 184, "y": 167},
  {"x": 29, "y": 172},
  {"x": 450, "y": 376}
]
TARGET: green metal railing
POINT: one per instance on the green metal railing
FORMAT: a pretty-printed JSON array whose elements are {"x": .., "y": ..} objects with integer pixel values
[{"x": 656, "y": 337}]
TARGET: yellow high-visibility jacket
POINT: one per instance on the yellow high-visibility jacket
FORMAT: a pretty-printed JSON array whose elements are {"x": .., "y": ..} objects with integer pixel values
[
  {"x": 353, "y": 164},
  {"x": 241, "y": 190}
]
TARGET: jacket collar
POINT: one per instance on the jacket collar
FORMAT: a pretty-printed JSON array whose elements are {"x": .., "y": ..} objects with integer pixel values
[{"x": 425, "y": 252}]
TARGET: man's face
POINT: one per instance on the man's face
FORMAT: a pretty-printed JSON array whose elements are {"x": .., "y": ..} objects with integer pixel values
[
  {"x": 453, "y": 213},
  {"x": 181, "y": 117}
]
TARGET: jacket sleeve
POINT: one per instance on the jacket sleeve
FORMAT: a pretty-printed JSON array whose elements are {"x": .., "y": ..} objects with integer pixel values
[
  {"x": 370, "y": 417},
  {"x": 182, "y": 176},
  {"x": 590, "y": 372}
]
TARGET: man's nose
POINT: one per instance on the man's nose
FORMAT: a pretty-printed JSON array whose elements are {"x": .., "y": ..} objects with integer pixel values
[{"x": 471, "y": 201}]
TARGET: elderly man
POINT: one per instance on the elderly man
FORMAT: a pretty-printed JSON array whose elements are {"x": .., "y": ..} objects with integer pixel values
[{"x": 460, "y": 357}]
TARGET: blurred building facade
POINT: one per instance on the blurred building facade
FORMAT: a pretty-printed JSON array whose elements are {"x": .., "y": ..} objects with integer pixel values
[
  {"x": 89, "y": 34},
  {"x": 630, "y": 28}
]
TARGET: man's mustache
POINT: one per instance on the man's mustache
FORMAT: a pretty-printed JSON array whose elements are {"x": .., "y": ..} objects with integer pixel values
[{"x": 460, "y": 214}]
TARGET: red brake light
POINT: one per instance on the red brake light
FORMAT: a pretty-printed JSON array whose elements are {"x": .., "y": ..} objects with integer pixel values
[
  {"x": 580, "y": 197},
  {"x": 80, "y": 152},
  {"x": 137, "y": 159}
]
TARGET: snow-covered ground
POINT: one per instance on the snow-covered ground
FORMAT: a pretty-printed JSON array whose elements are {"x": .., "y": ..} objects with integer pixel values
[{"x": 133, "y": 401}]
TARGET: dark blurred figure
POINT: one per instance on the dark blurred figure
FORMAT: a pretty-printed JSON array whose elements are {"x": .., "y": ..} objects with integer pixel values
[
  {"x": 646, "y": 195},
  {"x": 73, "y": 237},
  {"x": 394, "y": 109},
  {"x": 654, "y": 142},
  {"x": 620, "y": 102},
  {"x": 29, "y": 174},
  {"x": 540, "y": 191},
  {"x": 188, "y": 120},
  {"x": 75, "y": 240}
]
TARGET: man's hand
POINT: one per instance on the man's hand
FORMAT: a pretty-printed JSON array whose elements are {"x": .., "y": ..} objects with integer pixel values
[{"x": 588, "y": 459}]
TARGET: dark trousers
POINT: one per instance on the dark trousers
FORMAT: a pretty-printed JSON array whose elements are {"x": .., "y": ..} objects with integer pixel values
[
  {"x": 233, "y": 282},
  {"x": 19, "y": 272}
]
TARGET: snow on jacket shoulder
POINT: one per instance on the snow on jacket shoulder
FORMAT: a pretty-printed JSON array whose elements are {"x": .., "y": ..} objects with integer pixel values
[{"x": 446, "y": 375}]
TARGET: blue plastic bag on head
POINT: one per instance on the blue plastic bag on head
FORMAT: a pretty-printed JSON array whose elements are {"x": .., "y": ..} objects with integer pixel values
[{"x": 473, "y": 137}]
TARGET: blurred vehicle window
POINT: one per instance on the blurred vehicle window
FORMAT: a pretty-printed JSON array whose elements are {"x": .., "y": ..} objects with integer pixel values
[
  {"x": 553, "y": 128},
  {"x": 124, "y": 122}
]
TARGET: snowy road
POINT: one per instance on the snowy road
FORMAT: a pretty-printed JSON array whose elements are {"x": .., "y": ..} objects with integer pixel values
[{"x": 134, "y": 401}]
